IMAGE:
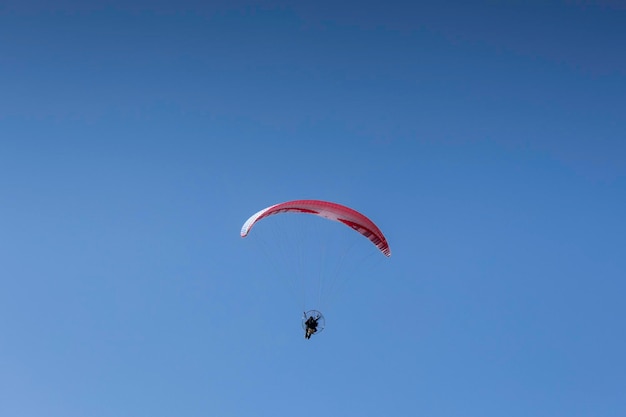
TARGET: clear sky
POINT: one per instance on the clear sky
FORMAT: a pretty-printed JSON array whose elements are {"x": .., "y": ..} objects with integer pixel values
[{"x": 487, "y": 139}]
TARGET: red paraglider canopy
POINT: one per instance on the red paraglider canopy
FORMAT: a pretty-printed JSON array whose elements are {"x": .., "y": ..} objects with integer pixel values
[{"x": 328, "y": 210}]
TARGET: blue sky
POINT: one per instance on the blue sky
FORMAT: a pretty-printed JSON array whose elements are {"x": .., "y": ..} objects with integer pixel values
[{"x": 486, "y": 139}]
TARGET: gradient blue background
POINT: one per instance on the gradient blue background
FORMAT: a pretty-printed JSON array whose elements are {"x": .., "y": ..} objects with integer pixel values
[{"x": 486, "y": 138}]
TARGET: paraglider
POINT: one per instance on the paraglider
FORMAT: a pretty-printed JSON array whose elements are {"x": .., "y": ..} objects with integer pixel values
[
  {"x": 328, "y": 210},
  {"x": 313, "y": 321}
]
